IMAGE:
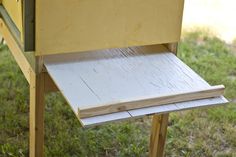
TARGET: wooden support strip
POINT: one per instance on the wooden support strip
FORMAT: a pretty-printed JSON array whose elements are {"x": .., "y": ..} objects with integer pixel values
[
  {"x": 158, "y": 135},
  {"x": 89, "y": 111},
  {"x": 36, "y": 140},
  {"x": 16, "y": 51}
]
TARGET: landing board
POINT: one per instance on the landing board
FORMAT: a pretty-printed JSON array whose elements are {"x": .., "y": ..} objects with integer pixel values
[{"x": 91, "y": 79}]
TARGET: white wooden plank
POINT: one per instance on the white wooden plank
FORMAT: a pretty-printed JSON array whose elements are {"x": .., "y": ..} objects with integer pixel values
[
  {"x": 98, "y": 120},
  {"x": 178, "y": 106},
  {"x": 136, "y": 103},
  {"x": 110, "y": 76}
]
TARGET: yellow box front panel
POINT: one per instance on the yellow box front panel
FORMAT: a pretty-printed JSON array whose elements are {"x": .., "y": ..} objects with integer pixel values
[
  {"x": 80, "y": 25},
  {"x": 14, "y": 9}
]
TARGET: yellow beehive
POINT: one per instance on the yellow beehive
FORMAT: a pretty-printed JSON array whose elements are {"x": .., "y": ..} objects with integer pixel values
[
  {"x": 78, "y": 25},
  {"x": 140, "y": 76}
]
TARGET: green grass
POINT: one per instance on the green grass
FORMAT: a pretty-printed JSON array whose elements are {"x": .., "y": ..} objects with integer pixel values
[{"x": 196, "y": 133}]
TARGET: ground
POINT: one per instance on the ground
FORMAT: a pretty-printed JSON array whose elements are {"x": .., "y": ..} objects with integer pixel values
[{"x": 197, "y": 133}]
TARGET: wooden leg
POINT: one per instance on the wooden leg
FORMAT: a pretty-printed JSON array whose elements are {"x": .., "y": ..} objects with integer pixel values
[
  {"x": 36, "y": 141},
  {"x": 158, "y": 135}
]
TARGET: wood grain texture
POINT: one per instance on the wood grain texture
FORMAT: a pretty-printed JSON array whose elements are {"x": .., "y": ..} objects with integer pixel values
[
  {"x": 158, "y": 135},
  {"x": 81, "y": 25},
  {"x": 95, "y": 79},
  {"x": 36, "y": 140}
]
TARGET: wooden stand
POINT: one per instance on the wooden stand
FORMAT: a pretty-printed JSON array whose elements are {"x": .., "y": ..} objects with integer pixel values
[
  {"x": 37, "y": 107},
  {"x": 41, "y": 83}
]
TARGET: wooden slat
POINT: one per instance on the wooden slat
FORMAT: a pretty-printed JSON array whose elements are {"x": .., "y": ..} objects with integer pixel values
[
  {"x": 164, "y": 109},
  {"x": 124, "y": 105},
  {"x": 180, "y": 106},
  {"x": 102, "y": 119}
]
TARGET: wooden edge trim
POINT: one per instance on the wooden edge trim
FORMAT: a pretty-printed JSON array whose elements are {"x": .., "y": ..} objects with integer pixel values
[
  {"x": 89, "y": 111},
  {"x": 16, "y": 51}
]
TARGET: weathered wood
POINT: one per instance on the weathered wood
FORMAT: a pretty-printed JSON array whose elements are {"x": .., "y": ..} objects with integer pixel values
[{"x": 158, "y": 135}]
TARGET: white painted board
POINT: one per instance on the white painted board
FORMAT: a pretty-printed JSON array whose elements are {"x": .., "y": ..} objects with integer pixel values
[
  {"x": 98, "y": 120},
  {"x": 105, "y": 77}
]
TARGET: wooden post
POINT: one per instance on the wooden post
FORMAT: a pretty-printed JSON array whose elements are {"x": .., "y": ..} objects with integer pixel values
[
  {"x": 37, "y": 92},
  {"x": 158, "y": 135},
  {"x": 36, "y": 79}
]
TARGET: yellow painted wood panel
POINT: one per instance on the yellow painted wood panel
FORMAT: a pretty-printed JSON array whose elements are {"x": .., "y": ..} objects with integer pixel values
[
  {"x": 79, "y": 25},
  {"x": 14, "y": 9}
]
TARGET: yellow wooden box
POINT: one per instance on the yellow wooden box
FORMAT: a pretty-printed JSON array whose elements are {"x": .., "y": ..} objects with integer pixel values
[{"x": 63, "y": 26}]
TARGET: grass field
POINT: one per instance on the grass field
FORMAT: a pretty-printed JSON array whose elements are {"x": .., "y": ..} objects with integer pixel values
[{"x": 197, "y": 133}]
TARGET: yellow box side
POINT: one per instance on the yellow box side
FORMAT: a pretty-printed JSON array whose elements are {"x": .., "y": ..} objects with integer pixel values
[
  {"x": 14, "y": 9},
  {"x": 79, "y": 25}
]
